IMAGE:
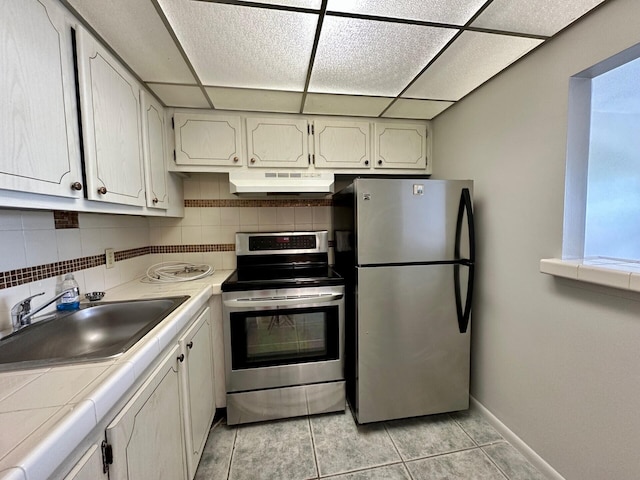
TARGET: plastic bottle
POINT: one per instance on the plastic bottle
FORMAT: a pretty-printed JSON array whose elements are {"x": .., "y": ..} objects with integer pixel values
[{"x": 70, "y": 300}]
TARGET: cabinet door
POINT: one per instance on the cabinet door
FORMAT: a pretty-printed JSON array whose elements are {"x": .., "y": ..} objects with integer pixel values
[
  {"x": 89, "y": 467},
  {"x": 400, "y": 146},
  {"x": 146, "y": 436},
  {"x": 111, "y": 125},
  {"x": 153, "y": 142},
  {"x": 196, "y": 379},
  {"x": 203, "y": 139},
  {"x": 39, "y": 136},
  {"x": 342, "y": 144},
  {"x": 277, "y": 142}
]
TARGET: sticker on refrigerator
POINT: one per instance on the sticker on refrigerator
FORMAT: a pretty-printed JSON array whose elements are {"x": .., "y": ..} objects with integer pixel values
[{"x": 418, "y": 189}]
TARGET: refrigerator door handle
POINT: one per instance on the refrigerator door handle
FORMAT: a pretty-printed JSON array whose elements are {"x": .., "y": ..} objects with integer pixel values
[{"x": 464, "y": 313}]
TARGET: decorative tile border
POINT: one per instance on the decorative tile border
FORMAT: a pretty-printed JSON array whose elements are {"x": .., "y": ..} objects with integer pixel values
[
  {"x": 310, "y": 202},
  {"x": 14, "y": 278},
  {"x": 63, "y": 219}
]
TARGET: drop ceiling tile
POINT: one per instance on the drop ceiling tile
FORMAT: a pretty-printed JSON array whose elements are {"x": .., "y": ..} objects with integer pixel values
[
  {"x": 315, "y": 4},
  {"x": 472, "y": 59},
  {"x": 255, "y": 100},
  {"x": 345, "y": 105},
  {"x": 419, "y": 109},
  {"x": 456, "y": 12},
  {"x": 136, "y": 32},
  {"x": 236, "y": 46},
  {"x": 538, "y": 17},
  {"x": 180, "y": 95},
  {"x": 372, "y": 58}
]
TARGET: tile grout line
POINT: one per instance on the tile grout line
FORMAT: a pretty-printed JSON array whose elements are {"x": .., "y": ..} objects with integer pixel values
[
  {"x": 233, "y": 450},
  {"x": 494, "y": 463},
  {"x": 313, "y": 447},
  {"x": 463, "y": 429},
  {"x": 402, "y": 460}
]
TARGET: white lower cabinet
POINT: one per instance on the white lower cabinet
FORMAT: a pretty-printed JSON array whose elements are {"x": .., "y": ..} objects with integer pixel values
[
  {"x": 89, "y": 467},
  {"x": 146, "y": 436},
  {"x": 196, "y": 382}
]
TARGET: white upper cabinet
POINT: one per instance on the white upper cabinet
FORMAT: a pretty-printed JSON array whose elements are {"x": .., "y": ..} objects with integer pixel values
[
  {"x": 400, "y": 146},
  {"x": 204, "y": 139},
  {"x": 342, "y": 144},
  {"x": 111, "y": 125},
  {"x": 278, "y": 142},
  {"x": 154, "y": 150},
  {"x": 39, "y": 137}
]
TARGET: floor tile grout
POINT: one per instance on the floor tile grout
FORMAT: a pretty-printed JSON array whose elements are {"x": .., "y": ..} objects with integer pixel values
[
  {"x": 233, "y": 449},
  {"x": 313, "y": 447},
  {"x": 494, "y": 463}
]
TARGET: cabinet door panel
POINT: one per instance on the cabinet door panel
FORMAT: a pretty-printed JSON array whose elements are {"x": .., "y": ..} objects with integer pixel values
[
  {"x": 111, "y": 124},
  {"x": 203, "y": 139},
  {"x": 39, "y": 137},
  {"x": 342, "y": 144},
  {"x": 89, "y": 467},
  {"x": 146, "y": 436},
  {"x": 401, "y": 146},
  {"x": 198, "y": 387},
  {"x": 153, "y": 141},
  {"x": 277, "y": 142}
]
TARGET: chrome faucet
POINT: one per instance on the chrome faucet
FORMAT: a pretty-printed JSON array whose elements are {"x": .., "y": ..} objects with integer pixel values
[{"x": 21, "y": 313}]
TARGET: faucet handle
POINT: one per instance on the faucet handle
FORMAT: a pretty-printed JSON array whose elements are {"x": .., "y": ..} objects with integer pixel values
[{"x": 24, "y": 306}]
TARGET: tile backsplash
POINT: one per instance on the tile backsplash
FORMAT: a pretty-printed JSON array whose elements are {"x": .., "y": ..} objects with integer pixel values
[{"x": 37, "y": 246}]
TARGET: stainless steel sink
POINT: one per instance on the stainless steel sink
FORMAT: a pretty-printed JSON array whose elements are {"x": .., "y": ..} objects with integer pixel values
[{"x": 95, "y": 332}]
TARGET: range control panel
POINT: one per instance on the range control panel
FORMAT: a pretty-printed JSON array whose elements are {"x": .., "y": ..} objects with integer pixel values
[{"x": 282, "y": 242}]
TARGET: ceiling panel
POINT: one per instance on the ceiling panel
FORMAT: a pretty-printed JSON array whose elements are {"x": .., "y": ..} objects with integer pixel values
[
  {"x": 180, "y": 95},
  {"x": 538, "y": 17},
  {"x": 315, "y": 4},
  {"x": 257, "y": 100},
  {"x": 471, "y": 60},
  {"x": 418, "y": 109},
  {"x": 235, "y": 46},
  {"x": 345, "y": 105},
  {"x": 136, "y": 32},
  {"x": 372, "y": 58},
  {"x": 456, "y": 12}
]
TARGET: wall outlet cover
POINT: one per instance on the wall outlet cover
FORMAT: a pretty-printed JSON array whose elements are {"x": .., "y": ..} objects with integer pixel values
[{"x": 110, "y": 257}]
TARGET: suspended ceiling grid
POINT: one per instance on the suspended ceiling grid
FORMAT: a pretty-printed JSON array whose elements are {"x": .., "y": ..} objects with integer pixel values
[{"x": 391, "y": 59}]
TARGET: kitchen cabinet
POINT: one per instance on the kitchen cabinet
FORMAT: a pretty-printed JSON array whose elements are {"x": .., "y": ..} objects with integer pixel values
[
  {"x": 154, "y": 152},
  {"x": 89, "y": 467},
  {"x": 39, "y": 143},
  {"x": 146, "y": 436},
  {"x": 111, "y": 125},
  {"x": 205, "y": 139},
  {"x": 197, "y": 385},
  {"x": 400, "y": 146},
  {"x": 277, "y": 142},
  {"x": 341, "y": 144}
]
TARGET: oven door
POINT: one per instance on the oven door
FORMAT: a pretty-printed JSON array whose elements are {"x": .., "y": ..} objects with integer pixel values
[{"x": 286, "y": 337}]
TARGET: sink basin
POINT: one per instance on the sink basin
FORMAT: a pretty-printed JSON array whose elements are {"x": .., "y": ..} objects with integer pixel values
[{"x": 95, "y": 332}]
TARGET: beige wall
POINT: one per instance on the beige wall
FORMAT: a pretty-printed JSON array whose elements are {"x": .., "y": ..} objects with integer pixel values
[{"x": 556, "y": 360}]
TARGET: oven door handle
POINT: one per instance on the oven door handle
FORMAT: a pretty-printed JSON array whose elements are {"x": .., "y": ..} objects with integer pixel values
[{"x": 282, "y": 301}]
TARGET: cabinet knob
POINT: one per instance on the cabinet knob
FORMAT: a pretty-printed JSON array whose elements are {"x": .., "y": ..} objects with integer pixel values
[
  {"x": 155, "y": 200},
  {"x": 366, "y": 162},
  {"x": 181, "y": 357},
  {"x": 253, "y": 160},
  {"x": 76, "y": 186},
  {"x": 190, "y": 345},
  {"x": 102, "y": 190},
  {"x": 379, "y": 162},
  {"x": 236, "y": 159}
]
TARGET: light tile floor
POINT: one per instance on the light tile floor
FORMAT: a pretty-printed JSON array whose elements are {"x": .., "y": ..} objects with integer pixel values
[{"x": 461, "y": 445}]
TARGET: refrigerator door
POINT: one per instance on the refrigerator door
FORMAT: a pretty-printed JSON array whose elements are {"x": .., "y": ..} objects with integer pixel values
[
  {"x": 407, "y": 220},
  {"x": 411, "y": 359}
]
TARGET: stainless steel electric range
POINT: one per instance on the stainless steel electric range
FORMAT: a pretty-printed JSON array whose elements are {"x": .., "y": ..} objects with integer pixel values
[{"x": 283, "y": 314}]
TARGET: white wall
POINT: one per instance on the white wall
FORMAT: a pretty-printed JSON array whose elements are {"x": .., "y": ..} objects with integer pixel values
[{"x": 557, "y": 361}]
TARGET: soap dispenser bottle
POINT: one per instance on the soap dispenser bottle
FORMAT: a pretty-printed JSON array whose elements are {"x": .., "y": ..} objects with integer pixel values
[{"x": 70, "y": 300}]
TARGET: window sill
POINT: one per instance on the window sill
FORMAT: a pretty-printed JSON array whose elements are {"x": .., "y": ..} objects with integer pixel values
[{"x": 622, "y": 274}]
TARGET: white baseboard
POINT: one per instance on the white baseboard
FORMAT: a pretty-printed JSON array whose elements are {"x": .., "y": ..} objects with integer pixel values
[{"x": 535, "y": 459}]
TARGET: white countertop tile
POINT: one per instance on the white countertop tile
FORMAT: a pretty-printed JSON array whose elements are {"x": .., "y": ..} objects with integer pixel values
[
  {"x": 17, "y": 426},
  {"x": 13, "y": 381}
]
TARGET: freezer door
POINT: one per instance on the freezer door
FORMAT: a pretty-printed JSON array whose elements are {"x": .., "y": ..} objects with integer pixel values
[
  {"x": 412, "y": 359},
  {"x": 407, "y": 220}
]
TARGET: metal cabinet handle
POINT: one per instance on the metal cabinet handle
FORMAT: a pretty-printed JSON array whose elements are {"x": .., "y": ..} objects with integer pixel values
[
  {"x": 76, "y": 186},
  {"x": 236, "y": 159},
  {"x": 181, "y": 357},
  {"x": 379, "y": 162},
  {"x": 190, "y": 345},
  {"x": 253, "y": 160},
  {"x": 155, "y": 200},
  {"x": 102, "y": 190},
  {"x": 366, "y": 162}
]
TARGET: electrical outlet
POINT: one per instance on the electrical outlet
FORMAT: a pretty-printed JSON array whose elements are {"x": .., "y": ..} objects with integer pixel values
[{"x": 110, "y": 257}]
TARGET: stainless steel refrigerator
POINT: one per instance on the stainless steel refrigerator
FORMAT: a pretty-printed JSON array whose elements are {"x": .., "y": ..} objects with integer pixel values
[{"x": 406, "y": 249}]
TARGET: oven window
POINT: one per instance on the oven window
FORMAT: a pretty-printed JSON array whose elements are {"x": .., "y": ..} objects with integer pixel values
[{"x": 279, "y": 337}]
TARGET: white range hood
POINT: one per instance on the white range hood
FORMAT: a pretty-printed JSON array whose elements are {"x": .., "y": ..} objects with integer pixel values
[{"x": 261, "y": 183}]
